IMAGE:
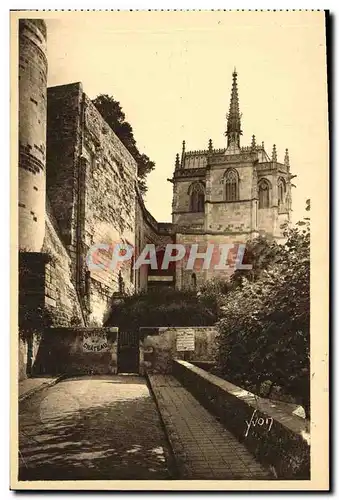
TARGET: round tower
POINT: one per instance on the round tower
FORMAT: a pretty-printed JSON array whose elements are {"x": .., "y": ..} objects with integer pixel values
[{"x": 32, "y": 133}]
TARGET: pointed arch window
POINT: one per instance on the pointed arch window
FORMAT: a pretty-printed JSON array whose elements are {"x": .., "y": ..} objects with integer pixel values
[
  {"x": 281, "y": 191},
  {"x": 232, "y": 185},
  {"x": 196, "y": 192},
  {"x": 264, "y": 193}
]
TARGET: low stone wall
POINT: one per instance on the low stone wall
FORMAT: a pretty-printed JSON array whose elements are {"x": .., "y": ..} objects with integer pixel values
[
  {"x": 205, "y": 365},
  {"x": 79, "y": 351},
  {"x": 277, "y": 439},
  {"x": 158, "y": 346}
]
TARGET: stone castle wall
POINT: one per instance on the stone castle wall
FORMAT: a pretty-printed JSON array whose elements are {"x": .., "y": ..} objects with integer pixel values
[
  {"x": 158, "y": 347},
  {"x": 63, "y": 142},
  {"x": 61, "y": 299},
  {"x": 91, "y": 186},
  {"x": 109, "y": 177},
  {"x": 91, "y": 200},
  {"x": 69, "y": 351}
]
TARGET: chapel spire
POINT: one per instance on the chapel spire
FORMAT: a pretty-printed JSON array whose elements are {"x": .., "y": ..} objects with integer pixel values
[{"x": 234, "y": 131}]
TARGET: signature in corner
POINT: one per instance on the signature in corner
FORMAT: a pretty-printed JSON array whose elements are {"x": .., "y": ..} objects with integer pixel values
[{"x": 268, "y": 421}]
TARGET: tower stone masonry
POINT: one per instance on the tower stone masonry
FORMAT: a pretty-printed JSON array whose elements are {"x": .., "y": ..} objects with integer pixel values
[{"x": 32, "y": 133}]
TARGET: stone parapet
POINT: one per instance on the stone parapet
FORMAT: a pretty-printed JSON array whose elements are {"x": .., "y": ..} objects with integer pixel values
[{"x": 276, "y": 438}]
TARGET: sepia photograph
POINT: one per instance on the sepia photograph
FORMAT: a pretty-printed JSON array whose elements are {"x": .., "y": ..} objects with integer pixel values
[{"x": 169, "y": 232}]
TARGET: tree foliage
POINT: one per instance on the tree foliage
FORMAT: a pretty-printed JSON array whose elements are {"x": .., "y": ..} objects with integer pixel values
[
  {"x": 113, "y": 114},
  {"x": 264, "y": 330},
  {"x": 212, "y": 294},
  {"x": 261, "y": 253},
  {"x": 169, "y": 307}
]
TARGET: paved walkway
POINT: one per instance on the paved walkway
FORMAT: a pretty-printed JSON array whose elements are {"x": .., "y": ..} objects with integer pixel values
[
  {"x": 92, "y": 427},
  {"x": 203, "y": 448},
  {"x": 29, "y": 386}
]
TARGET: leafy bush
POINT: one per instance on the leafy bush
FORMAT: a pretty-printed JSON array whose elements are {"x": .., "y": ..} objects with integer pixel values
[
  {"x": 166, "y": 307},
  {"x": 212, "y": 294},
  {"x": 264, "y": 330}
]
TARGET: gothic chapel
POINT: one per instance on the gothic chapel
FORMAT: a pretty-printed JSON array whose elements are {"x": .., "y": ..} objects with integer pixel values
[{"x": 229, "y": 195}]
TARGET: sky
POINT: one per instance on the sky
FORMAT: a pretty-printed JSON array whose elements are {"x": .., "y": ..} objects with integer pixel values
[{"x": 172, "y": 74}]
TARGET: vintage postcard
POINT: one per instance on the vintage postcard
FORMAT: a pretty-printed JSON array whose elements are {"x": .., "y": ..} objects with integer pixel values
[{"x": 170, "y": 280}]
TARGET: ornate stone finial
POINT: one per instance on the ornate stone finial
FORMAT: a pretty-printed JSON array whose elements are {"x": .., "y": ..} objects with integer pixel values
[
  {"x": 253, "y": 143},
  {"x": 177, "y": 161},
  {"x": 210, "y": 146},
  {"x": 274, "y": 153},
  {"x": 287, "y": 158},
  {"x": 263, "y": 145},
  {"x": 183, "y": 147},
  {"x": 234, "y": 131}
]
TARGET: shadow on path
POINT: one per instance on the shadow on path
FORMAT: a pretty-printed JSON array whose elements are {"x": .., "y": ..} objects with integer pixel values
[{"x": 63, "y": 440}]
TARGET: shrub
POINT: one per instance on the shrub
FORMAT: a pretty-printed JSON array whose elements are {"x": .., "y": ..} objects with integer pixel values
[
  {"x": 167, "y": 307},
  {"x": 264, "y": 329}
]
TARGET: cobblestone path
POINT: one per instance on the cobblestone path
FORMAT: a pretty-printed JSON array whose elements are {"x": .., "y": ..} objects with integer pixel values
[
  {"x": 202, "y": 447},
  {"x": 99, "y": 427}
]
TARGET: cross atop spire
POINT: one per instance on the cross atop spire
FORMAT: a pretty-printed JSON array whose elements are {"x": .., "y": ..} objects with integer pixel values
[{"x": 234, "y": 131}]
